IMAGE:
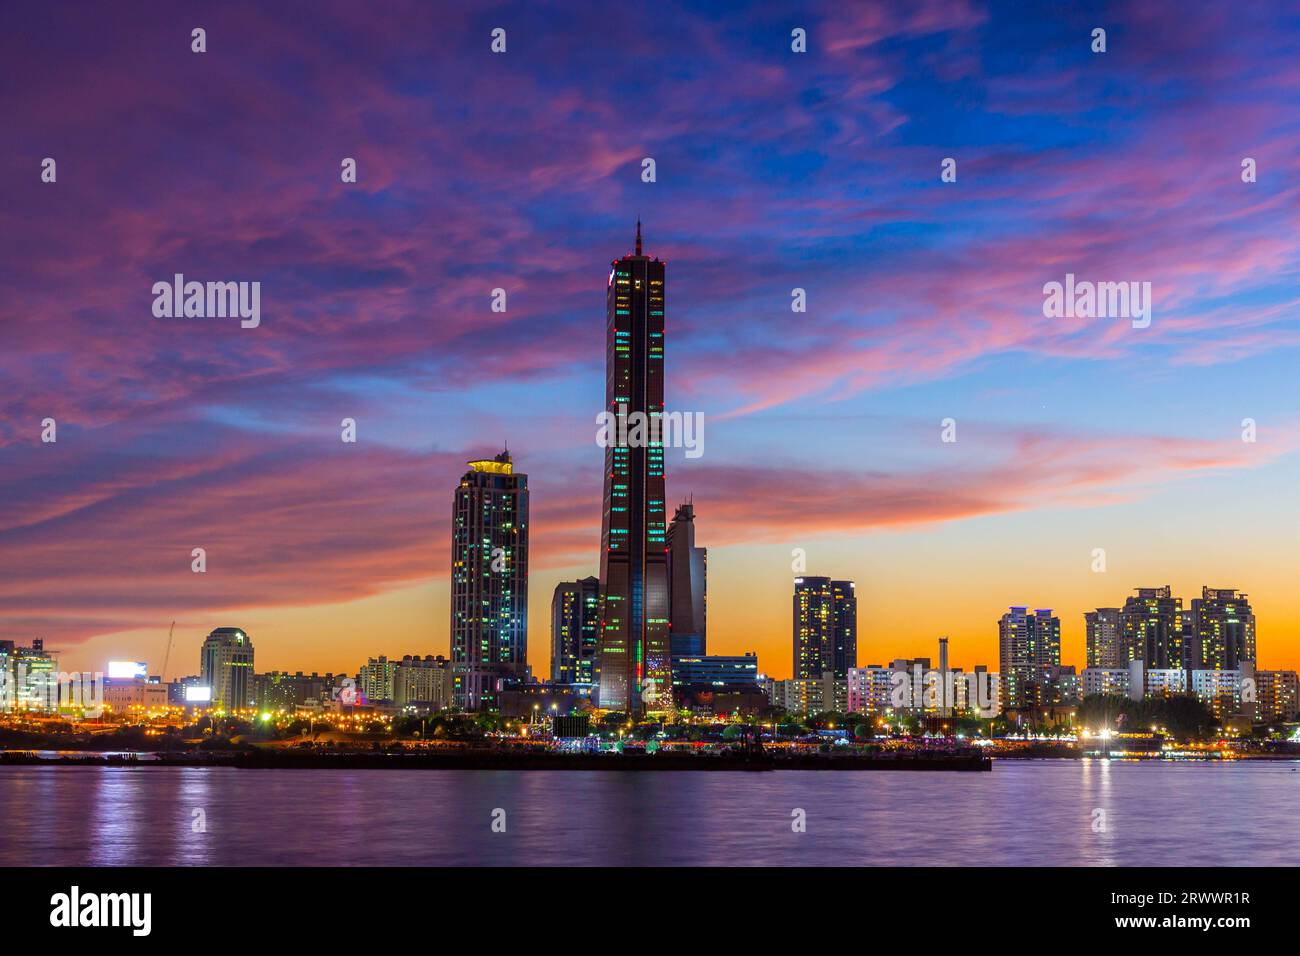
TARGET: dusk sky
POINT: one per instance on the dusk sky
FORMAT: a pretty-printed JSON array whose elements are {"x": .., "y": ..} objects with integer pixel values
[{"x": 522, "y": 170}]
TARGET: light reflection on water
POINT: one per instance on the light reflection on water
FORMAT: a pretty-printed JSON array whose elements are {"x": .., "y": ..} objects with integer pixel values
[{"x": 1023, "y": 813}]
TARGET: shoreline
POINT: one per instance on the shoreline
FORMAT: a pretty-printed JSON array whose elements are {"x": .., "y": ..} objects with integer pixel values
[{"x": 498, "y": 760}]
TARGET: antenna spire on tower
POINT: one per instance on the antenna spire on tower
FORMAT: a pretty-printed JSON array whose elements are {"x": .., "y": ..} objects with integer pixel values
[{"x": 638, "y": 236}]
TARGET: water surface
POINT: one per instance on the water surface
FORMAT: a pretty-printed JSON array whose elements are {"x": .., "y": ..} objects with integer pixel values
[{"x": 1023, "y": 813}]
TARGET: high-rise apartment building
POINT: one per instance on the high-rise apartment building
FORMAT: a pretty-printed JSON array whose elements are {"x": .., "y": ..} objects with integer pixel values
[
  {"x": 1152, "y": 625},
  {"x": 825, "y": 628},
  {"x": 1029, "y": 654},
  {"x": 575, "y": 630},
  {"x": 1222, "y": 630},
  {"x": 422, "y": 683},
  {"x": 489, "y": 582},
  {"x": 1104, "y": 638},
  {"x": 635, "y": 668}
]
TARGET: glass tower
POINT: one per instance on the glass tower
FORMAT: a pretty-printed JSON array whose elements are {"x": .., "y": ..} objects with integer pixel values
[
  {"x": 687, "y": 586},
  {"x": 635, "y": 670}
]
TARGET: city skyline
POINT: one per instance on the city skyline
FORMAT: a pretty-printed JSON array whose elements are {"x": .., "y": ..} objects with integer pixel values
[{"x": 923, "y": 303}]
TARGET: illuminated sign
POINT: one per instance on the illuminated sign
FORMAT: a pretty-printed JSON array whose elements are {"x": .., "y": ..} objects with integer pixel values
[
  {"x": 198, "y": 695},
  {"x": 127, "y": 670}
]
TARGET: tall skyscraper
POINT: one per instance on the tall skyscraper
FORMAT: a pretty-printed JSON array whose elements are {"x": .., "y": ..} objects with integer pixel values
[
  {"x": 687, "y": 586},
  {"x": 575, "y": 628},
  {"x": 226, "y": 665},
  {"x": 635, "y": 671},
  {"x": 1029, "y": 653},
  {"x": 1152, "y": 623},
  {"x": 1104, "y": 638},
  {"x": 825, "y": 628},
  {"x": 1223, "y": 630},
  {"x": 489, "y": 582}
]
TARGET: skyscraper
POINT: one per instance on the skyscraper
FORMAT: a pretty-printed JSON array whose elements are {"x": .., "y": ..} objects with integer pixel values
[
  {"x": 1029, "y": 653},
  {"x": 1104, "y": 638},
  {"x": 575, "y": 626},
  {"x": 226, "y": 665},
  {"x": 1152, "y": 623},
  {"x": 825, "y": 628},
  {"x": 635, "y": 672},
  {"x": 489, "y": 582},
  {"x": 687, "y": 586},
  {"x": 1223, "y": 630}
]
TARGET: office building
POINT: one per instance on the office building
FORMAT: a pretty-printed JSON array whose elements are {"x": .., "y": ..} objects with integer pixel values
[
  {"x": 687, "y": 586},
  {"x": 720, "y": 672},
  {"x": 634, "y": 662},
  {"x": 226, "y": 666}
]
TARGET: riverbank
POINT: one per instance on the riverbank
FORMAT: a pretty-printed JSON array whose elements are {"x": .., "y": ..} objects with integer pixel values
[{"x": 489, "y": 759}]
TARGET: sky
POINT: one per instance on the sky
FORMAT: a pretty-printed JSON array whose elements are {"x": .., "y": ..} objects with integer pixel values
[{"x": 522, "y": 170}]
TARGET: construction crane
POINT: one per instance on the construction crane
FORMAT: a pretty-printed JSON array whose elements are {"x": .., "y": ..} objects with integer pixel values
[{"x": 167, "y": 656}]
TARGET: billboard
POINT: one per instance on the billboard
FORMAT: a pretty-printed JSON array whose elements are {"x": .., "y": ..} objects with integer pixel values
[
  {"x": 127, "y": 670},
  {"x": 198, "y": 695}
]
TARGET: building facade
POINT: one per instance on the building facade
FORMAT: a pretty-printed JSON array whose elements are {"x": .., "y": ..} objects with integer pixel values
[
  {"x": 281, "y": 690},
  {"x": 423, "y": 684},
  {"x": 1029, "y": 647},
  {"x": 634, "y": 669},
  {"x": 575, "y": 631},
  {"x": 687, "y": 586},
  {"x": 489, "y": 582},
  {"x": 375, "y": 680},
  {"x": 1277, "y": 696},
  {"x": 722, "y": 672},
  {"x": 825, "y": 628},
  {"x": 226, "y": 666},
  {"x": 1104, "y": 638},
  {"x": 1222, "y": 630},
  {"x": 810, "y": 695},
  {"x": 1152, "y": 626}
]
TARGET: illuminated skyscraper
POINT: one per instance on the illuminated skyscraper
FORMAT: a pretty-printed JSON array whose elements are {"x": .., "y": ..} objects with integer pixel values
[
  {"x": 226, "y": 665},
  {"x": 1223, "y": 630},
  {"x": 489, "y": 582},
  {"x": 1153, "y": 629},
  {"x": 1029, "y": 654},
  {"x": 575, "y": 624},
  {"x": 635, "y": 672},
  {"x": 687, "y": 586},
  {"x": 1105, "y": 638},
  {"x": 825, "y": 628}
]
